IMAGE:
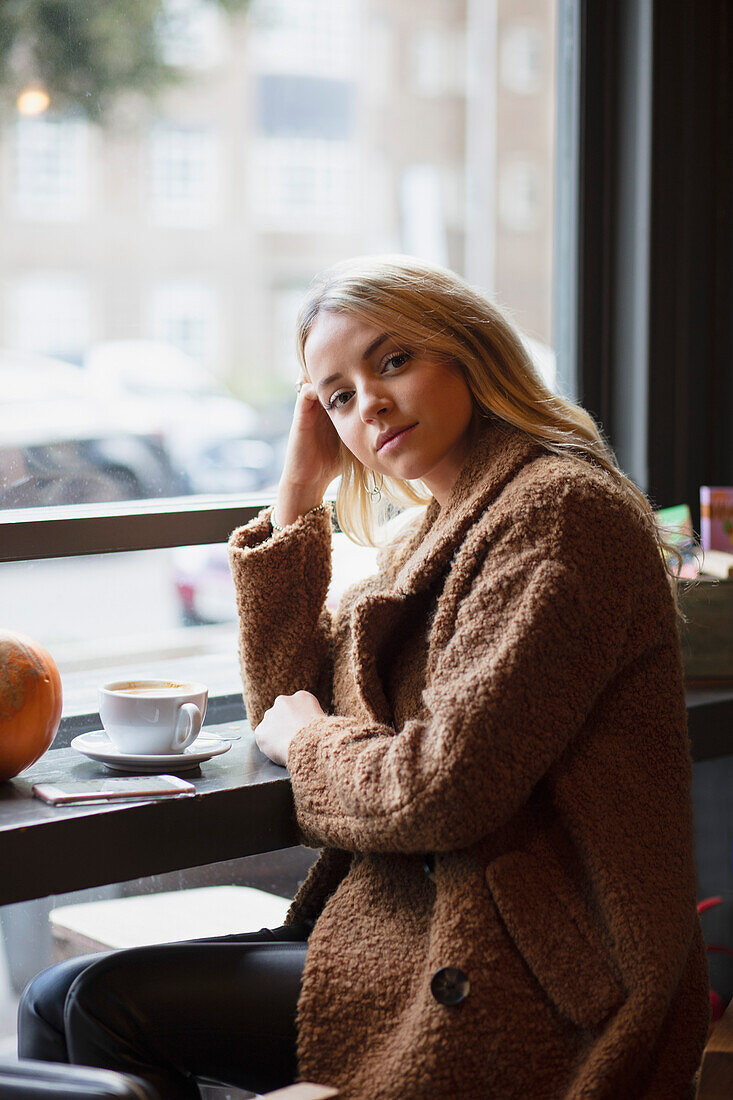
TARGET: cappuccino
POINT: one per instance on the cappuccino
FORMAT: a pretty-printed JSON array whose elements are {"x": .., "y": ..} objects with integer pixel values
[
  {"x": 152, "y": 717},
  {"x": 154, "y": 690}
]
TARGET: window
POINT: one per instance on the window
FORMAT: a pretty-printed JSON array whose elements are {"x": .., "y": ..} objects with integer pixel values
[
  {"x": 183, "y": 313},
  {"x": 305, "y": 107},
  {"x": 304, "y": 186},
  {"x": 183, "y": 175},
  {"x": 439, "y": 61},
  {"x": 51, "y": 169},
  {"x": 305, "y": 165},
  {"x": 520, "y": 195},
  {"x": 522, "y": 59},
  {"x": 348, "y": 127},
  {"x": 192, "y": 33},
  {"x": 423, "y": 226},
  {"x": 306, "y": 36},
  {"x": 49, "y": 313}
]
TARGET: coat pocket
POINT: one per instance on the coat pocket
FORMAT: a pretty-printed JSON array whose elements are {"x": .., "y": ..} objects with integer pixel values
[{"x": 547, "y": 923}]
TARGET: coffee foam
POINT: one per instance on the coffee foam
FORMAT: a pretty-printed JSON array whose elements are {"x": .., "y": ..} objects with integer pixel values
[{"x": 167, "y": 688}]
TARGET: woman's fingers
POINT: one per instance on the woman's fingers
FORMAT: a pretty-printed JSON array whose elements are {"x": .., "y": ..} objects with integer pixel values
[
  {"x": 312, "y": 457},
  {"x": 308, "y": 391},
  {"x": 287, "y": 715}
]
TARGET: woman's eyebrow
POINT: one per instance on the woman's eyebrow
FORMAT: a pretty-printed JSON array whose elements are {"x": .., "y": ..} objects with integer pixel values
[
  {"x": 374, "y": 345},
  {"x": 365, "y": 355}
]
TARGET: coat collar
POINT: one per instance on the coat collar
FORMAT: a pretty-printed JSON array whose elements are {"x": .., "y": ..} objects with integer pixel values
[{"x": 497, "y": 456}]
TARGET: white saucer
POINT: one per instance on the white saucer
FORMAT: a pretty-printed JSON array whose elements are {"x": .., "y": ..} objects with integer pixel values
[{"x": 97, "y": 746}]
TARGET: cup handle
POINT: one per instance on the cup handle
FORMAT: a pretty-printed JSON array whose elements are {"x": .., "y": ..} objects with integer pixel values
[{"x": 188, "y": 726}]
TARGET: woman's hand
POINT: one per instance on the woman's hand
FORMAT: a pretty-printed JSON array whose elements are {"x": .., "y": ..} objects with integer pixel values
[
  {"x": 312, "y": 458},
  {"x": 287, "y": 715}
]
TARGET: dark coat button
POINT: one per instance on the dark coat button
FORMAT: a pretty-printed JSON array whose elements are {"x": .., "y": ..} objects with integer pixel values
[
  {"x": 450, "y": 985},
  {"x": 428, "y": 865}
]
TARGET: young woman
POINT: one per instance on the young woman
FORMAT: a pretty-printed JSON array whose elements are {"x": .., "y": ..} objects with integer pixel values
[{"x": 488, "y": 741}]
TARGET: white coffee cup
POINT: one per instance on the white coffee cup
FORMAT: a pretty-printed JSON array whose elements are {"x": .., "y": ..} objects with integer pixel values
[{"x": 152, "y": 717}]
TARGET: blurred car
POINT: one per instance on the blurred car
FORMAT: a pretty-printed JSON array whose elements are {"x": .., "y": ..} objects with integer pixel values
[
  {"x": 204, "y": 585},
  {"x": 219, "y": 442},
  {"x": 206, "y": 591},
  {"x": 61, "y": 444}
]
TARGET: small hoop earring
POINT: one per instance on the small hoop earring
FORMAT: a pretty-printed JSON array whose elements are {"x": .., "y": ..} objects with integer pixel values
[{"x": 375, "y": 493}]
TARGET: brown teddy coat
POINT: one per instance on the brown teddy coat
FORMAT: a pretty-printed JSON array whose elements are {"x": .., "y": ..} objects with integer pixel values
[{"x": 505, "y": 903}]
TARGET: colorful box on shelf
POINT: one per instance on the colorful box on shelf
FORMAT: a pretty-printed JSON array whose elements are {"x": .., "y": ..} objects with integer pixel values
[{"x": 716, "y": 517}]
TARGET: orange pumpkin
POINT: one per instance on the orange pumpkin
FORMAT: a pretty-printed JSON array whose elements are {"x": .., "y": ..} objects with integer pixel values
[{"x": 30, "y": 702}]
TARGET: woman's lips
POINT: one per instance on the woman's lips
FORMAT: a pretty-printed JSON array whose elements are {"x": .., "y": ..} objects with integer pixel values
[{"x": 393, "y": 443}]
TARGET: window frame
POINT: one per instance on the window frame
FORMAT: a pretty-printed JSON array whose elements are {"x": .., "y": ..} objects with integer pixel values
[
  {"x": 79, "y": 529},
  {"x": 651, "y": 331}
]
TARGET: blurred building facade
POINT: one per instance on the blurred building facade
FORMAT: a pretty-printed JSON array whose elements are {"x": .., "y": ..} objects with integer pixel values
[{"x": 307, "y": 131}]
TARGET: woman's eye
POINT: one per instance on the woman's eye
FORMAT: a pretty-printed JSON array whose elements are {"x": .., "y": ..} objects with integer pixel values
[
  {"x": 396, "y": 361},
  {"x": 336, "y": 402}
]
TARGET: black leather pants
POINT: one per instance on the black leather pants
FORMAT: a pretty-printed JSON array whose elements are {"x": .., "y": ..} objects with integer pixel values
[{"x": 221, "y": 1008}]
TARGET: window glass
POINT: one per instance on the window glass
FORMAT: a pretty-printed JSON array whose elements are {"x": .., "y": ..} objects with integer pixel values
[
  {"x": 183, "y": 175},
  {"x": 182, "y": 315},
  {"x": 192, "y": 33},
  {"x": 438, "y": 61},
  {"x": 51, "y": 168},
  {"x": 160, "y": 613},
  {"x": 154, "y": 257},
  {"x": 47, "y": 312},
  {"x": 168, "y": 235},
  {"x": 307, "y": 36},
  {"x": 520, "y": 195},
  {"x": 305, "y": 107},
  {"x": 522, "y": 58}
]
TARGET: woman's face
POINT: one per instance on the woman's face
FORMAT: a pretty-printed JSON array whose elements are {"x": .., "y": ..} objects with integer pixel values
[{"x": 401, "y": 414}]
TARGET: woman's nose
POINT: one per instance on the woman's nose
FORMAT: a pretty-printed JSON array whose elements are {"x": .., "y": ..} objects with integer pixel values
[{"x": 373, "y": 402}]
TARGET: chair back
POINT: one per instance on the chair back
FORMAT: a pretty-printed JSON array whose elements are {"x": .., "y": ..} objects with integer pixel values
[{"x": 30, "y": 1080}]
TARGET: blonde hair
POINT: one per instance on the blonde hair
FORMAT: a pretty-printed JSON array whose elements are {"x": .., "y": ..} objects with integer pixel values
[{"x": 432, "y": 310}]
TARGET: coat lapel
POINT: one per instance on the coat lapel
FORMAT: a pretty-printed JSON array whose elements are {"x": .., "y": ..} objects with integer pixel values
[
  {"x": 500, "y": 452},
  {"x": 373, "y": 621}
]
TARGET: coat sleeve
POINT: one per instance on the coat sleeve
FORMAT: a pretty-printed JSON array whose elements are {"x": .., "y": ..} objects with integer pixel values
[
  {"x": 281, "y": 581},
  {"x": 537, "y": 638}
]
